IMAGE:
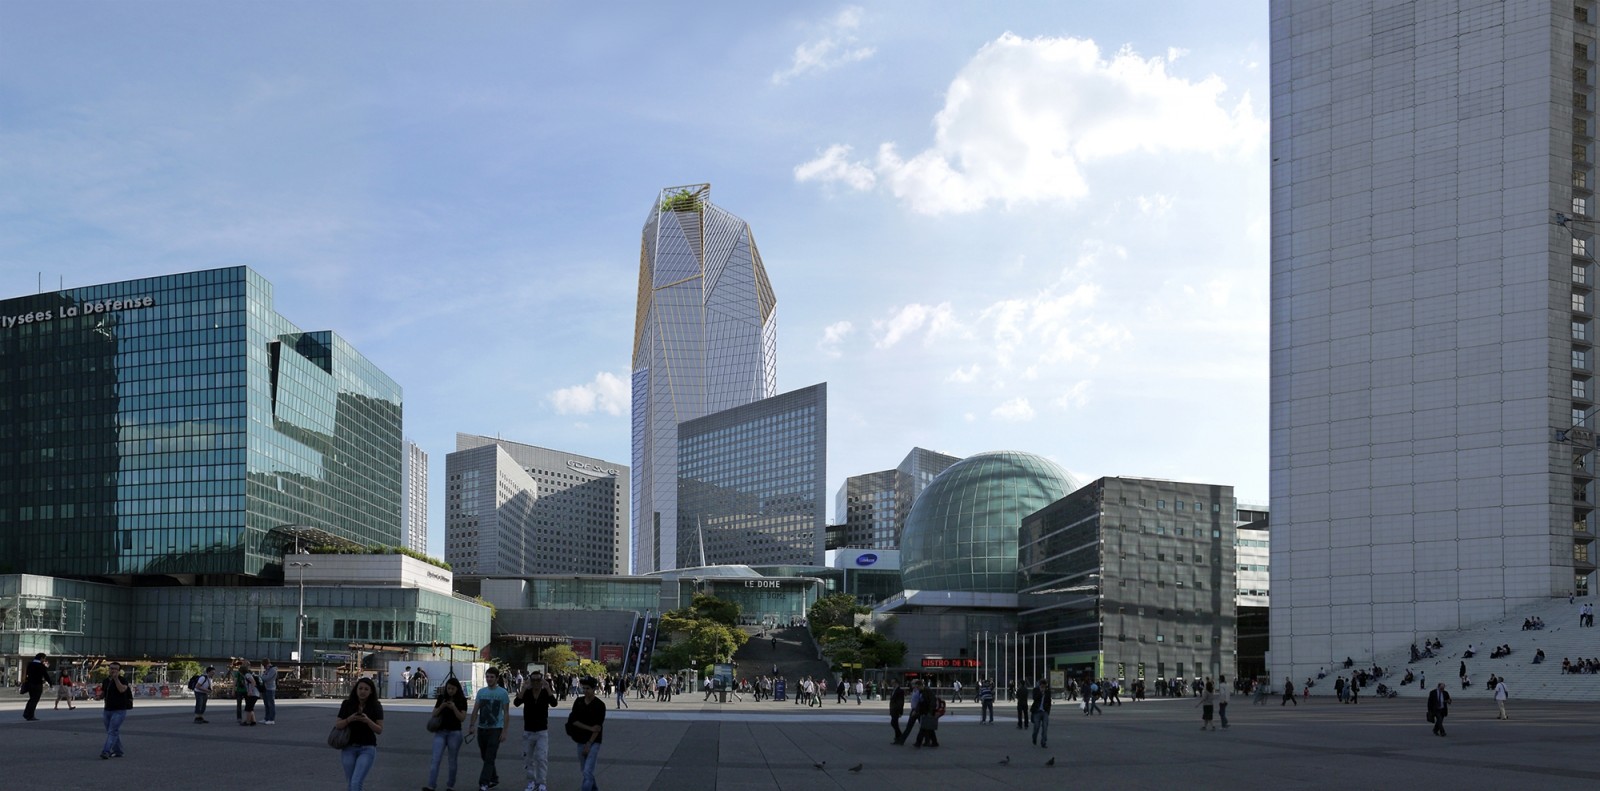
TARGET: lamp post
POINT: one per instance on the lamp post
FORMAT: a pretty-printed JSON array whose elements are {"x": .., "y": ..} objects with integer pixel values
[{"x": 300, "y": 622}]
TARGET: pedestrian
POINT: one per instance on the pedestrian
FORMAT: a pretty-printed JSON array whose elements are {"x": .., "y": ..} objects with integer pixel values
[
  {"x": 536, "y": 695},
  {"x": 119, "y": 701},
  {"x": 928, "y": 708},
  {"x": 202, "y": 693},
  {"x": 955, "y": 687},
  {"x": 238, "y": 690},
  {"x": 897, "y": 708},
  {"x": 1041, "y": 713},
  {"x": 986, "y": 700},
  {"x": 914, "y": 705},
  {"x": 1021, "y": 696},
  {"x": 1288, "y": 693},
  {"x": 859, "y": 688},
  {"x": 1500, "y": 696},
  {"x": 1224, "y": 692},
  {"x": 1438, "y": 708},
  {"x": 622, "y": 690},
  {"x": 843, "y": 689},
  {"x": 419, "y": 685},
  {"x": 489, "y": 723},
  {"x": 405, "y": 682},
  {"x": 269, "y": 691},
  {"x": 252, "y": 693},
  {"x": 1207, "y": 703},
  {"x": 585, "y": 725},
  {"x": 451, "y": 709},
  {"x": 64, "y": 690},
  {"x": 362, "y": 715},
  {"x": 34, "y": 680}
]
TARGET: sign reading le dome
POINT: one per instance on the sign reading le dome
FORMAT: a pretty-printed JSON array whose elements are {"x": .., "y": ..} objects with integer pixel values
[{"x": 866, "y": 559}]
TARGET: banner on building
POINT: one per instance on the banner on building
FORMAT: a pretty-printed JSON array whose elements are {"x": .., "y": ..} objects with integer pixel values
[
  {"x": 610, "y": 652},
  {"x": 583, "y": 647}
]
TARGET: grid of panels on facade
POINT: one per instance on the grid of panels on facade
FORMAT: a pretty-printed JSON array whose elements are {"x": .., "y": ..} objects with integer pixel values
[
  {"x": 749, "y": 491},
  {"x": 122, "y": 427},
  {"x": 575, "y": 522}
]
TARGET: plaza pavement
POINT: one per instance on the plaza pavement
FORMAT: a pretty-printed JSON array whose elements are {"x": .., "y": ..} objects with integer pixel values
[{"x": 688, "y": 745}]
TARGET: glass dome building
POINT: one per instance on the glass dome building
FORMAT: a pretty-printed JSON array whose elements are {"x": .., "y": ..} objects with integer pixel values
[{"x": 961, "y": 534}]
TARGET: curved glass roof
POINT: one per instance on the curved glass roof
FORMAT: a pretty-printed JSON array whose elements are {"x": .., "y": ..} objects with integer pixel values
[{"x": 961, "y": 534}]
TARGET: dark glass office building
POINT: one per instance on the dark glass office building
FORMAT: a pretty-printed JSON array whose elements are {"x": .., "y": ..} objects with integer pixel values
[
  {"x": 1132, "y": 578},
  {"x": 167, "y": 427},
  {"x": 752, "y": 480}
]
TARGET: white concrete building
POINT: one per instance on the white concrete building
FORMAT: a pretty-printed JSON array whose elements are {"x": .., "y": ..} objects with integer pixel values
[
  {"x": 1432, "y": 318},
  {"x": 414, "y": 497}
]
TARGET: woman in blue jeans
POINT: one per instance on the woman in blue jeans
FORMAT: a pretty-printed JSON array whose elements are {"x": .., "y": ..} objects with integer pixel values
[
  {"x": 451, "y": 709},
  {"x": 362, "y": 715}
]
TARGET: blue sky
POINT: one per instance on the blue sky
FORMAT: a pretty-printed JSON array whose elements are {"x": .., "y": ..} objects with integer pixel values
[{"x": 1028, "y": 226}]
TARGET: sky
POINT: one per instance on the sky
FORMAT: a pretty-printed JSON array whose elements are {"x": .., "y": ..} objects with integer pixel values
[{"x": 990, "y": 226}]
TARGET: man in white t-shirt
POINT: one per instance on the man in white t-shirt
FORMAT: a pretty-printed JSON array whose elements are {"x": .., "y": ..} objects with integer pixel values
[
  {"x": 1500, "y": 696},
  {"x": 955, "y": 686},
  {"x": 202, "y": 693}
]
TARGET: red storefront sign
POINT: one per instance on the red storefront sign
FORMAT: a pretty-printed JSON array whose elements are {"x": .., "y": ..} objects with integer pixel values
[
  {"x": 583, "y": 647},
  {"x": 941, "y": 662}
]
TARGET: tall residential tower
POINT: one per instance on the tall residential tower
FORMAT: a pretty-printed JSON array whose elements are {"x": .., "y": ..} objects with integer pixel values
[
  {"x": 705, "y": 341},
  {"x": 414, "y": 497},
  {"x": 1433, "y": 352}
]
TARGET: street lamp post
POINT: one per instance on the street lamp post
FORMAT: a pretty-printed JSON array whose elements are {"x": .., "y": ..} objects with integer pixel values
[{"x": 300, "y": 622}]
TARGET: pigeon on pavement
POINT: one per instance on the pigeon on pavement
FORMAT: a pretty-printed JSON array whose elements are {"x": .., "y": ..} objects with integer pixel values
[
  {"x": 819, "y": 764},
  {"x": 857, "y": 768},
  {"x": 1006, "y": 761},
  {"x": 1051, "y": 762}
]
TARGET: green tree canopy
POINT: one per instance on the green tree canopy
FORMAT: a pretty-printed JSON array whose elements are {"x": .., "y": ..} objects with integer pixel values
[
  {"x": 705, "y": 632},
  {"x": 558, "y": 657},
  {"x": 839, "y": 609}
]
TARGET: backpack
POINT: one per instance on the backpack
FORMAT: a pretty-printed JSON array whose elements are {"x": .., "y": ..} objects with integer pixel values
[
  {"x": 938, "y": 707},
  {"x": 193, "y": 680}
]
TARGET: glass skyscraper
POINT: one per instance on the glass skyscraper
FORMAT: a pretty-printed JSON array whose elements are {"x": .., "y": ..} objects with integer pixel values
[
  {"x": 167, "y": 425},
  {"x": 752, "y": 482},
  {"x": 705, "y": 340},
  {"x": 874, "y": 506}
]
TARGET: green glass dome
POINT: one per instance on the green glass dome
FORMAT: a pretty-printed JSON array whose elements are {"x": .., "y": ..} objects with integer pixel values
[{"x": 961, "y": 534}]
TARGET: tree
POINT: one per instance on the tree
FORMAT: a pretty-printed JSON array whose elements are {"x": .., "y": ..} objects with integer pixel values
[
  {"x": 704, "y": 633},
  {"x": 710, "y": 608},
  {"x": 839, "y": 609},
  {"x": 558, "y": 657}
]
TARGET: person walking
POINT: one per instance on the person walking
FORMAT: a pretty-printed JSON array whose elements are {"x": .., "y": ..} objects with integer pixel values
[
  {"x": 1288, "y": 693},
  {"x": 585, "y": 725},
  {"x": 237, "y": 671},
  {"x": 269, "y": 691},
  {"x": 451, "y": 709},
  {"x": 362, "y": 715},
  {"x": 536, "y": 695},
  {"x": 34, "y": 680},
  {"x": 1500, "y": 695},
  {"x": 202, "y": 693},
  {"x": 955, "y": 688},
  {"x": 622, "y": 691},
  {"x": 1438, "y": 708},
  {"x": 986, "y": 700},
  {"x": 1224, "y": 693},
  {"x": 1041, "y": 713},
  {"x": 489, "y": 717},
  {"x": 1021, "y": 693},
  {"x": 1207, "y": 704},
  {"x": 897, "y": 708},
  {"x": 858, "y": 689},
  {"x": 928, "y": 710},
  {"x": 64, "y": 690},
  {"x": 252, "y": 693},
  {"x": 119, "y": 701}
]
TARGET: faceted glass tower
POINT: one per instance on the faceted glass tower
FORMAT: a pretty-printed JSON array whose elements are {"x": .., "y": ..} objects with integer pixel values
[{"x": 705, "y": 340}]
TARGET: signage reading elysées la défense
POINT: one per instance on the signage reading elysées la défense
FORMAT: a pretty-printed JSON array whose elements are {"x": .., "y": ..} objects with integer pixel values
[
  {"x": 69, "y": 311},
  {"x": 590, "y": 469}
]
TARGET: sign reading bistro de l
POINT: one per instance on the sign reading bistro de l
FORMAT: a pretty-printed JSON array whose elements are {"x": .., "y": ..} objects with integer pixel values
[{"x": 69, "y": 311}]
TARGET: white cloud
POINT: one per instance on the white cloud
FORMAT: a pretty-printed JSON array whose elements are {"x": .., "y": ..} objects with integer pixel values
[
  {"x": 835, "y": 45},
  {"x": 1024, "y": 116},
  {"x": 964, "y": 374},
  {"x": 1076, "y": 397},
  {"x": 608, "y": 393},
  {"x": 833, "y": 335},
  {"x": 834, "y": 165},
  {"x": 1017, "y": 410},
  {"x": 939, "y": 320}
]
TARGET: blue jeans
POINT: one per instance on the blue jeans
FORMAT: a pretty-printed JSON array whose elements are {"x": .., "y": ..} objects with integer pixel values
[
  {"x": 200, "y": 699},
  {"x": 113, "y": 720},
  {"x": 1041, "y": 727},
  {"x": 488, "y": 749},
  {"x": 444, "y": 743},
  {"x": 588, "y": 763},
  {"x": 357, "y": 760},
  {"x": 269, "y": 698}
]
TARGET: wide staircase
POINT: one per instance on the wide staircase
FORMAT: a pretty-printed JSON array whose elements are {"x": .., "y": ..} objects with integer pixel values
[
  {"x": 1560, "y": 638},
  {"x": 795, "y": 655}
]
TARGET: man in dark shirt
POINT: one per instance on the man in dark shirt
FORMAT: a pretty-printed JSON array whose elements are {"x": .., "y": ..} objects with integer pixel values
[
  {"x": 584, "y": 725},
  {"x": 536, "y": 694},
  {"x": 37, "y": 676},
  {"x": 897, "y": 708},
  {"x": 119, "y": 701}
]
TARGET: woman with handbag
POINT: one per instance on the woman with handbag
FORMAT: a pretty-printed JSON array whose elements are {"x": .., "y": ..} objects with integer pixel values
[
  {"x": 361, "y": 720},
  {"x": 448, "y": 713}
]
